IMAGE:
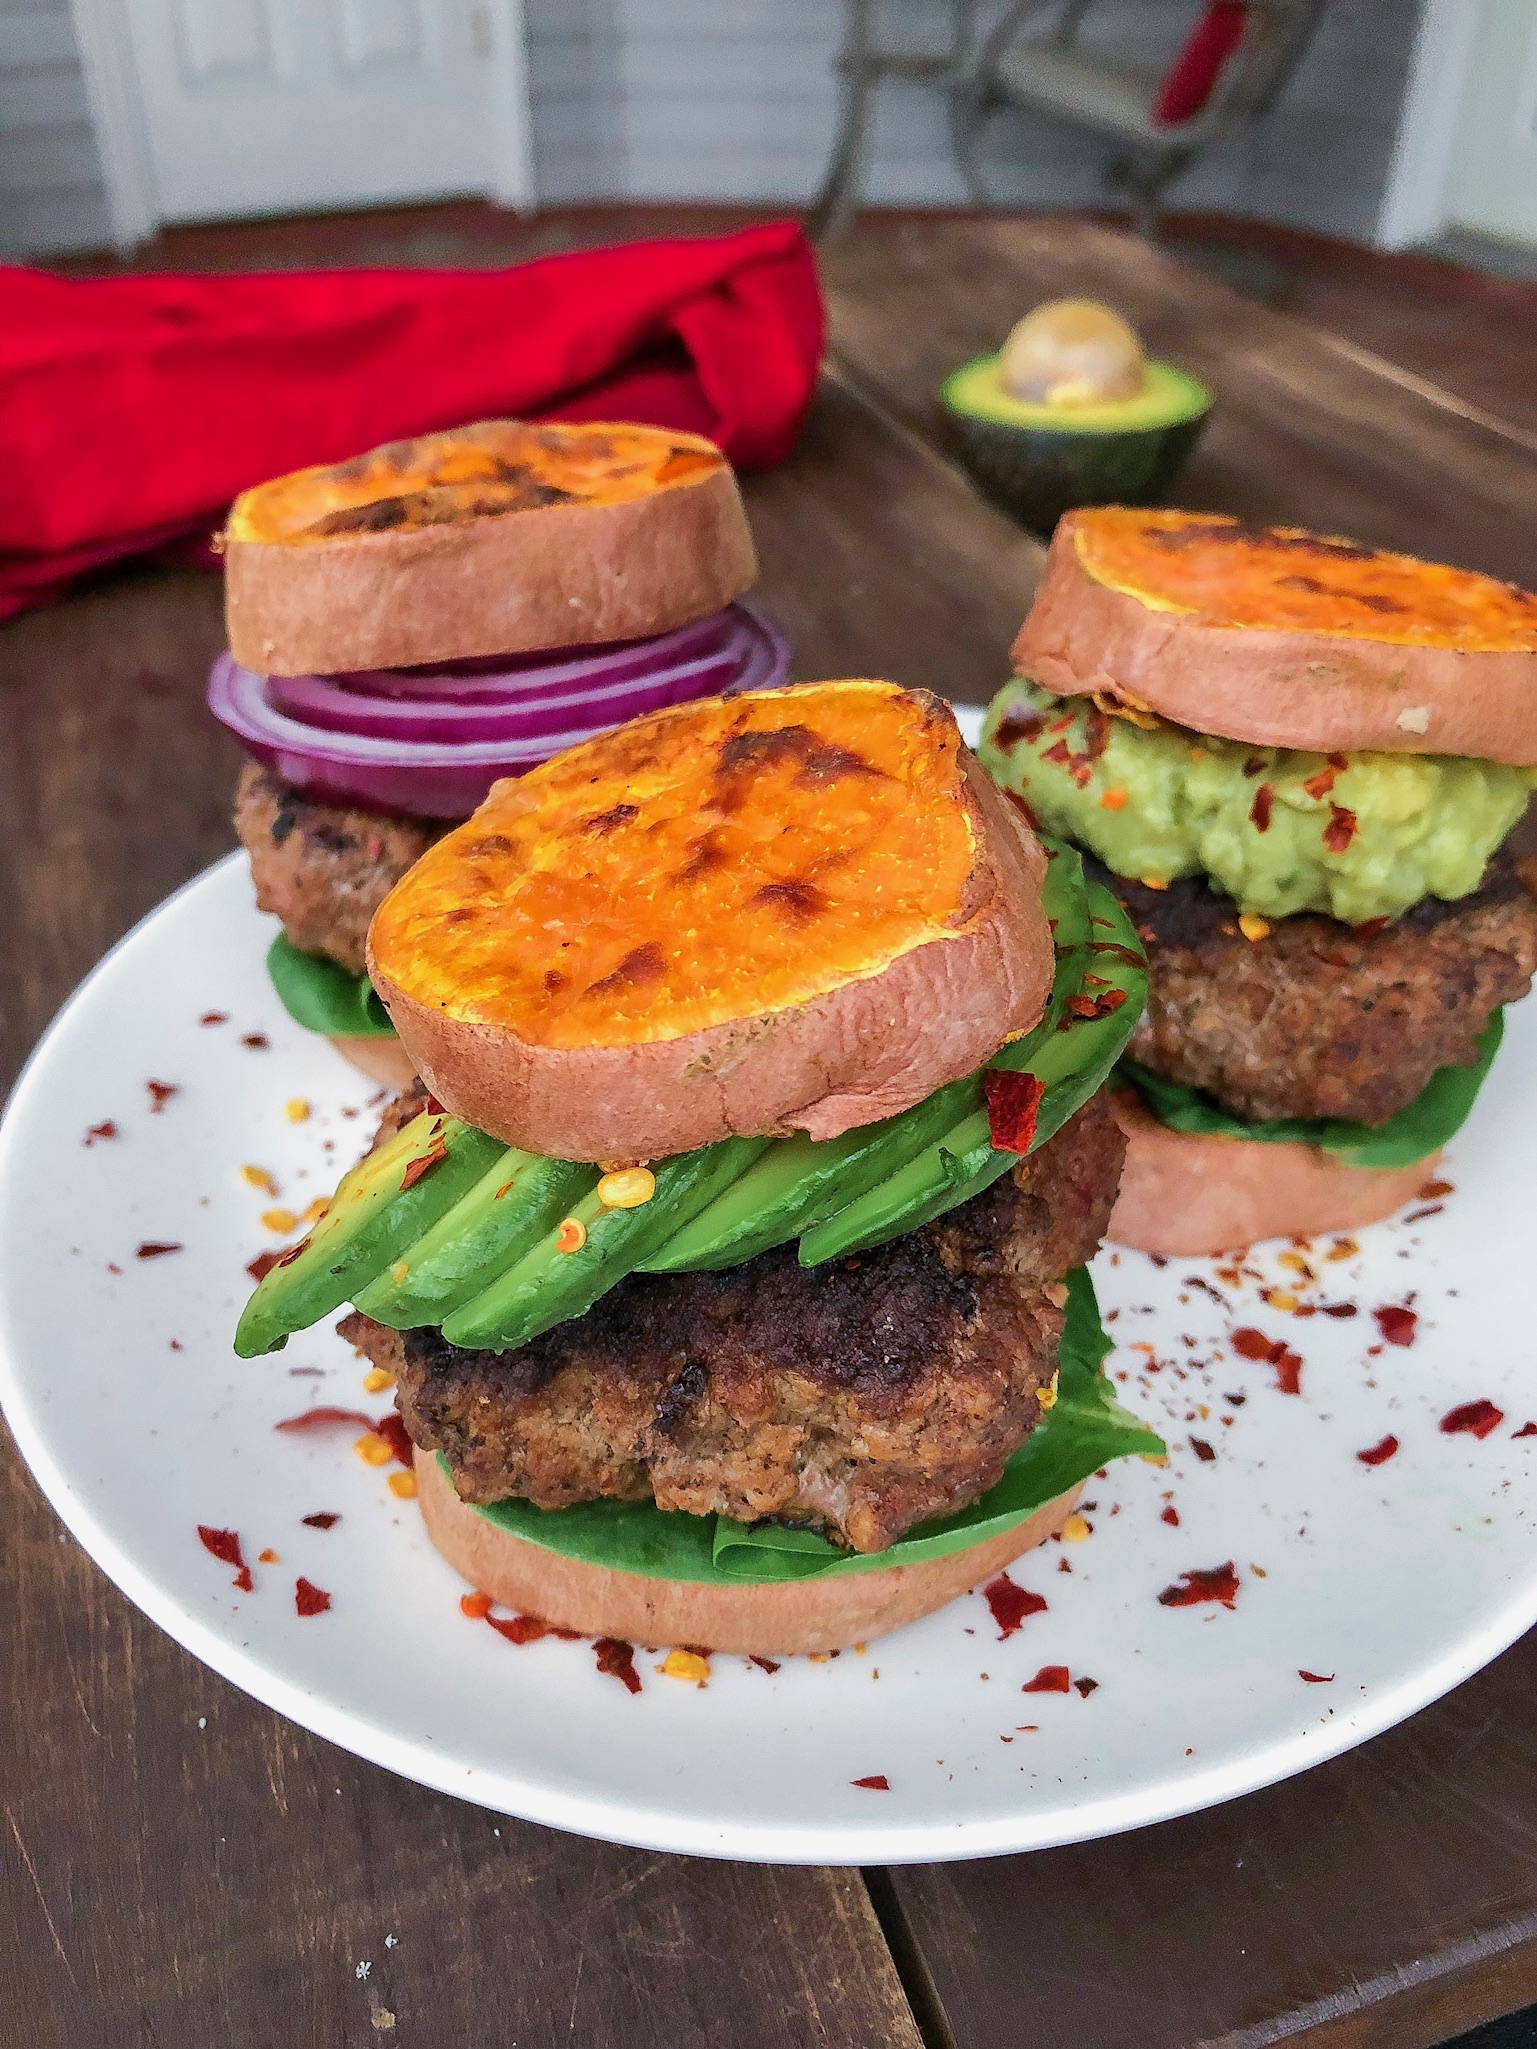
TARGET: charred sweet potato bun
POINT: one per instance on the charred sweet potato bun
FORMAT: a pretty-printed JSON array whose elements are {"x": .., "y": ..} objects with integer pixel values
[
  {"x": 491, "y": 539},
  {"x": 787, "y": 1618},
  {"x": 1283, "y": 638},
  {"x": 1183, "y": 1194},
  {"x": 794, "y": 909}
]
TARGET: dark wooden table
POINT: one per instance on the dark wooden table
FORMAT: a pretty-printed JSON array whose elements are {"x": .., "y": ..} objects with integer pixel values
[{"x": 181, "y": 1887}]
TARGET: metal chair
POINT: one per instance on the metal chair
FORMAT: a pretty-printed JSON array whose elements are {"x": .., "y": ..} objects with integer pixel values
[{"x": 1052, "y": 75}]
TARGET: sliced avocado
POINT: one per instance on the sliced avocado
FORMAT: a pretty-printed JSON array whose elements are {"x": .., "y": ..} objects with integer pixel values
[
  {"x": 1038, "y": 461},
  {"x": 388, "y": 1199},
  {"x": 506, "y": 1213},
  {"x": 549, "y": 1286}
]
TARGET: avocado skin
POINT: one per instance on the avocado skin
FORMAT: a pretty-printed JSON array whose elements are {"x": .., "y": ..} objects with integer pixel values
[{"x": 1037, "y": 473}]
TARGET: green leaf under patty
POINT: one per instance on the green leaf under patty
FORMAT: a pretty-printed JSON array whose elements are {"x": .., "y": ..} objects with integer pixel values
[
  {"x": 1083, "y": 1430},
  {"x": 1435, "y": 1116},
  {"x": 323, "y": 996}
]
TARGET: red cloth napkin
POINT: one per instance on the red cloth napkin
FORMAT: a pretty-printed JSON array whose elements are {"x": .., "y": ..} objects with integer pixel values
[
  {"x": 133, "y": 409},
  {"x": 1193, "y": 76}
]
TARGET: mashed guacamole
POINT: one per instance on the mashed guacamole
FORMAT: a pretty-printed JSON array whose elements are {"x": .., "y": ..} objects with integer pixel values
[{"x": 1360, "y": 835}]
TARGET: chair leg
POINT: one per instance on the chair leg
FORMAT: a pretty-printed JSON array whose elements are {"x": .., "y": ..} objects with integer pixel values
[
  {"x": 1146, "y": 184},
  {"x": 860, "y": 70}
]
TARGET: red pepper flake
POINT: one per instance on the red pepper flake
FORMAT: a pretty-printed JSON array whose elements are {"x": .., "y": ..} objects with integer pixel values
[
  {"x": 1086, "y": 1686},
  {"x": 1434, "y": 1190},
  {"x": 1092, "y": 1007},
  {"x": 1202, "y": 1450},
  {"x": 394, "y": 1433},
  {"x": 319, "y": 1418},
  {"x": 1339, "y": 1309},
  {"x": 1013, "y": 1101},
  {"x": 1370, "y": 928},
  {"x": 1340, "y": 830},
  {"x": 262, "y": 1265},
  {"x": 1378, "y": 1454},
  {"x": 1259, "y": 810},
  {"x": 106, "y": 1129},
  {"x": 1288, "y": 1371},
  {"x": 1205, "y": 1583},
  {"x": 1050, "y": 1679},
  {"x": 1478, "y": 1418},
  {"x": 310, "y": 1599},
  {"x": 160, "y": 1093},
  {"x": 1249, "y": 1343},
  {"x": 1017, "y": 725},
  {"x": 1321, "y": 784},
  {"x": 421, "y": 1167},
  {"x": 1170, "y": 1515},
  {"x": 1431, "y": 1209},
  {"x": 617, "y": 1659},
  {"x": 1527, "y": 1430},
  {"x": 225, "y": 1546},
  {"x": 214, "y": 1017},
  {"x": 1010, "y": 1604},
  {"x": 1316, "y": 1678},
  {"x": 156, "y": 1248},
  {"x": 763, "y": 1664},
  {"x": 519, "y": 1628},
  {"x": 323, "y": 1519},
  {"x": 1397, "y": 1325},
  {"x": 1059, "y": 752},
  {"x": 257, "y": 1041},
  {"x": 877, "y": 1782},
  {"x": 113, "y": 1267}
]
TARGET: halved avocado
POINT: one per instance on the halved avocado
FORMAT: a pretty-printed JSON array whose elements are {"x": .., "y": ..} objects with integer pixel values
[{"x": 1038, "y": 461}]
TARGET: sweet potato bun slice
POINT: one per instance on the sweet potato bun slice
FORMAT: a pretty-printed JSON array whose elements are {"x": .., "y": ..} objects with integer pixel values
[
  {"x": 493, "y": 539},
  {"x": 1282, "y": 637},
  {"x": 1184, "y": 1193},
  {"x": 817, "y": 1614},
  {"x": 792, "y": 909}
]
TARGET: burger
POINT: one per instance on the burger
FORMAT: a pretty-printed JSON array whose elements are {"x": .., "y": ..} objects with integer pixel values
[
  {"x": 728, "y": 1254},
  {"x": 1296, "y": 761},
  {"x": 409, "y": 626}
]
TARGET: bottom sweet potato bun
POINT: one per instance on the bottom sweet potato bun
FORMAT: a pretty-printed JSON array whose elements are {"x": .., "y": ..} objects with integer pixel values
[
  {"x": 777, "y": 1620},
  {"x": 798, "y": 909},
  {"x": 1183, "y": 1194}
]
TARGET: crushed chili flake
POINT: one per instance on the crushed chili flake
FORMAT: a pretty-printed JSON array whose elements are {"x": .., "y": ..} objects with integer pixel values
[
  {"x": 1527, "y": 1430},
  {"x": 1340, "y": 830},
  {"x": 1397, "y": 1325},
  {"x": 1288, "y": 1372},
  {"x": 1316, "y": 1678},
  {"x": 262, "y": 1265},
  {"x": 876, "y": 1782},
  {"x": 106, "y": 1129},
  {"x": 1259, "y": 810},
  {"x": 268, "y": 1557},
  {"x": 1321, "y": 784},
  {"x": 1171, "y": 1517},
  {"x": 225, "y": 1546},
  {"x": 1202, "y": 1450},
  {"x": 1050, "y": 1679},
  {"x": 1249, "y": 1343},
  {"x": 1086, "y": 1686},
  {"x": 1434, "y": 1190},
  {"x": 517, "y": 1628},
  {"x": 1017, "y": 725},
  {"x": 1339, "y": 1309},
  {"x": 323, "y": 1519},
  {"x": 319, "y": 1418},
  {"x": 1203, "y": 1583},
  {"x": 160, "y": 1093},
  {"x": 1431, "y": 1209},
  {"x": 1091, "y": 1008},
  {"x": 764, "y": 1664},
  {"x": 310, "y": 1599},
  {"x": 1010, "y": 1604},
  {"x": 617, "y": 1659},
  {"x": 156, "y": 1248},
  {"x": 1475, "y": 1418},
  {"x": 257, "y": 1041},
  {"x": 1013, "y": 1101},
  {"x": 1379, "y": 1453},
  {"x": 419, "y": 1168},
  {"x": 393, "y": 1431},
  {"x": 214, "y": 1017}
]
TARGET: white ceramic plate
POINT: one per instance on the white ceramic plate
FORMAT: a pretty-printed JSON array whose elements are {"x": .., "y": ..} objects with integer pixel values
[{"x": 118, "y": 1381}]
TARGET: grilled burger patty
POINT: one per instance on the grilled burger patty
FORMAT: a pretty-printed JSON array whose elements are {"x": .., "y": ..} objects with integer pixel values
[
  {"x": 857, "y": 1398},
  {"x": 324, "y": 869},
  {"x": 1320, "y": 1019}
]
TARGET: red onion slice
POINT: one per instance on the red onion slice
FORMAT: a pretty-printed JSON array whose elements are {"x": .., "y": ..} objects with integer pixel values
[{"x": 358, "y": 740}]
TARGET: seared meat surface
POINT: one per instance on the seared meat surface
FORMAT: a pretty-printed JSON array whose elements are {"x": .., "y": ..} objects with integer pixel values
[
  {"x": 857, "y": 1398},
  {"x": 1320, "y": 1019},
  {"x": 324, "y": 869}
]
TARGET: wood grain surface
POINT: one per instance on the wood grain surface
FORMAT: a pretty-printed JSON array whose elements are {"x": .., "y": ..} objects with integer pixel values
[{"x": 184, "y": 1886}]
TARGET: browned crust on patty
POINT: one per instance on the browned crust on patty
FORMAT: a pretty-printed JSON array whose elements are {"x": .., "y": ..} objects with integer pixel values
[
  {"x": 324, "y": 869},
  {"x": 1321, "y": 1019},
  {"x": 857, "y": 1398}
]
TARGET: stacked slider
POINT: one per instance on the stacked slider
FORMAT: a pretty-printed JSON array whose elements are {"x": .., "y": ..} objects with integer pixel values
[
  {"x": 1296, "y": 760},
  {"x": 409, "y": 626}
]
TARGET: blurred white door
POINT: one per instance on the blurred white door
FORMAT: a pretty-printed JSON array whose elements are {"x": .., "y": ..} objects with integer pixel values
[
  {"x": 1493, "y": 185},
  {"x": 283, "y": 106}
]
